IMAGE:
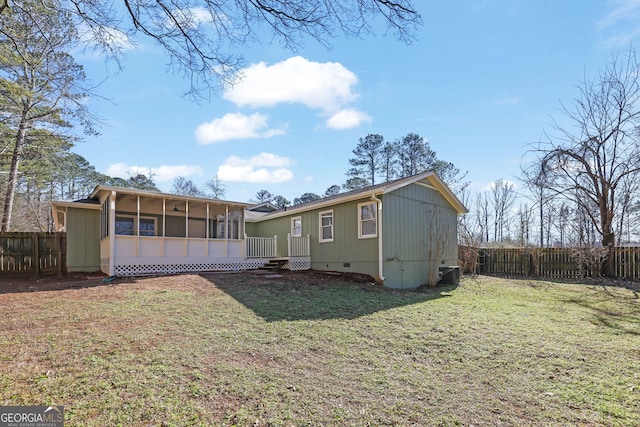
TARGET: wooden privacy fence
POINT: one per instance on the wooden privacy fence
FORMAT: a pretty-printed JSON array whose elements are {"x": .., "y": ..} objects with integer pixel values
[
  {"x": 558, "y": 263},
  {"x": 33, "y": 253}
]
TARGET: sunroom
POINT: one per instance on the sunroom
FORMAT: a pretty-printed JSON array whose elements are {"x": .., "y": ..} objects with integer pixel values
[
  {"x": 130, "y": 232},
  {"x": 144, "y": 232}
]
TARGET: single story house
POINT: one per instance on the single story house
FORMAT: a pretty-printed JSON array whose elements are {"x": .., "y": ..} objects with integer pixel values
[{"x": 400, "y": 232}]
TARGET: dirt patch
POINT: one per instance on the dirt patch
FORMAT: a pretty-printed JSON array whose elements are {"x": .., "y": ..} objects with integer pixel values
[{"x": 27, "y": 283}]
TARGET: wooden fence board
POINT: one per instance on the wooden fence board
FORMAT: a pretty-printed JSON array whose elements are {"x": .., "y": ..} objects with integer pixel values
[
  {"x": 556, "y": 263},
  {"x": 33, "y": 253}
]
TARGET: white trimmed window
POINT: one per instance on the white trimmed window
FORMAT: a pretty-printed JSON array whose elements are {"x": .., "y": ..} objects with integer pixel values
[
  {"x": 326, "y": 226},
  {"x": 126, "y": 226},
  {"x": 367, "y": 220},
  {"x": 296, "y": 226}
]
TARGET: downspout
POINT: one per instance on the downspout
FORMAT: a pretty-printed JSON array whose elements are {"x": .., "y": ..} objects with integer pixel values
[{"x": 380, "y": 265}]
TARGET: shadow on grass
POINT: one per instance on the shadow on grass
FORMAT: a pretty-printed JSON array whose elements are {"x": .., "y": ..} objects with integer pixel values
[
  {"x": 11, "y": 284},
  {"x": 612, "y": 310},
  {"x": 309, "y": 297}
]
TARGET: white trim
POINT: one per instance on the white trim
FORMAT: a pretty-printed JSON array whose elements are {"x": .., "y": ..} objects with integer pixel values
[
  {"x": 321, "y": 227},
  {"x": 380, "y": 248},
  {"x": 78, "y": 205},
  {"x": 375, "y": 210},
  {"x": 293, "y": 232},
  {"x": 112, "y": 232}
]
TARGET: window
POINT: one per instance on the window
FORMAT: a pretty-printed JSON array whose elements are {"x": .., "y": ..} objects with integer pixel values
[
  {"x": 126, "y": 226},
  {"x": 367, "y": 220},
  {"x": 296, "y": 226},
  {"x": 147, "y": 227},
  {"x": 326, "y": 226}
]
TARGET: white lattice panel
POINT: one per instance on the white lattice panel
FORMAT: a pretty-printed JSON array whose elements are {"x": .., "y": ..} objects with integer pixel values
[
  {"x": 145, "y": 269},
  {"x": 298, "y": 264}
]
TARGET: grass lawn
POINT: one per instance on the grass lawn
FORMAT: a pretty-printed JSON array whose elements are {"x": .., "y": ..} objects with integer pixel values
[{"x": 232, "y": 349}]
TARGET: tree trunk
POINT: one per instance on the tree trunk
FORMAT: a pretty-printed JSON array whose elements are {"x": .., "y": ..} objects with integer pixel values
[
  {"x": 13, "y": 177},
  {"x": 608, "y": 267},
  {"x": 541, "y": 223}
]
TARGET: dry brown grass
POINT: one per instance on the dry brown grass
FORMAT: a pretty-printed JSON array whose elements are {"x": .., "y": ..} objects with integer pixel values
[{"x": 311, "y": 349}]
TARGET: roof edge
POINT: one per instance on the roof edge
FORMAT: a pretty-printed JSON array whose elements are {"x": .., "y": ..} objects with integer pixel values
[
  {"x": 78, "y": 205},
  {"x": 434, "y": 180},
  {"x": 158, "y": 194}
]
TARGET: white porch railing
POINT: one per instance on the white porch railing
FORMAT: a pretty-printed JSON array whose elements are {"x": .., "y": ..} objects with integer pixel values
[
  {"x": 298, "y": 245},
  {"x": 261, "y": 247}
]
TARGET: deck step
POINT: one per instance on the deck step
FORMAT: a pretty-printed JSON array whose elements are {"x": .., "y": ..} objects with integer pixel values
[{"x": 275, "y": 264}]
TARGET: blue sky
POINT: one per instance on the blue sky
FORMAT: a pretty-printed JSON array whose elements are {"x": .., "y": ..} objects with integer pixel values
[{"x": 481, "y": 82}]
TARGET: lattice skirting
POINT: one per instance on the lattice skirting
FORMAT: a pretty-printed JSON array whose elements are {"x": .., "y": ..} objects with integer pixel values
[
  {"x": 145, "y": 269},
  {"x": 298, "y": 264}
]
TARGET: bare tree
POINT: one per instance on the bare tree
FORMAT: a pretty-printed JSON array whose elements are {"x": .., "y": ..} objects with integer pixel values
[
  {"x": 185, "y": 187},
  {"x": 525, "y": 215},
  {"x": 623, "y": 222},
  {"x": 483, "y": 216},
  {"x": 538, "y": 183},
  {"x": 202, "y": 37},
  {"x": 215, "y": 188},
  {"x": 590, "y": 158},
  {"x": 503, "y": 196}
]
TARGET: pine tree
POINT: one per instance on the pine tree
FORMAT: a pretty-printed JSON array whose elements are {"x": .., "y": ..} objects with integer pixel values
[{"x": 41, "y": 86}]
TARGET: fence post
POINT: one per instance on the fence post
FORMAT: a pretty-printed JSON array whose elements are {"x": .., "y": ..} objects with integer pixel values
[
  {"x": 59, "y": 255},
  {"x": 35, "y": 260}
]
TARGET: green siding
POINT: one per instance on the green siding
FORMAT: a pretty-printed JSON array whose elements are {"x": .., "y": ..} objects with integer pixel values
[
  {"x": 420, "y": 233},
  {"x": 277, "y": 227},
  {"x": 346, "y": 253},
  {"x": 251, "y": 229},
  {"x": 83, "y": 240}
]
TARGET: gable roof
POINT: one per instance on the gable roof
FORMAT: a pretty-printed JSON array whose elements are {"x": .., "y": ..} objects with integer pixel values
[
  {"x": 427, "y": 179},
  {"x": 263, "y": 207}
]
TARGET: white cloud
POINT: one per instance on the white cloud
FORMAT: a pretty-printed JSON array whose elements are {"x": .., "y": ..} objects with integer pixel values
[
  {"x": 347, "y": 118},
  {"x": 324, "y": 86},
  {"x": 162, "y": 173},
  {"x": 621, "y": 10},
  {"x": 193, "y": 17},
  {"x": 621, "y": 23},
  {"x": 505, "y": 182},
  {"x": 264, "y": 168},
  {"x": 235, "y": 126}
]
